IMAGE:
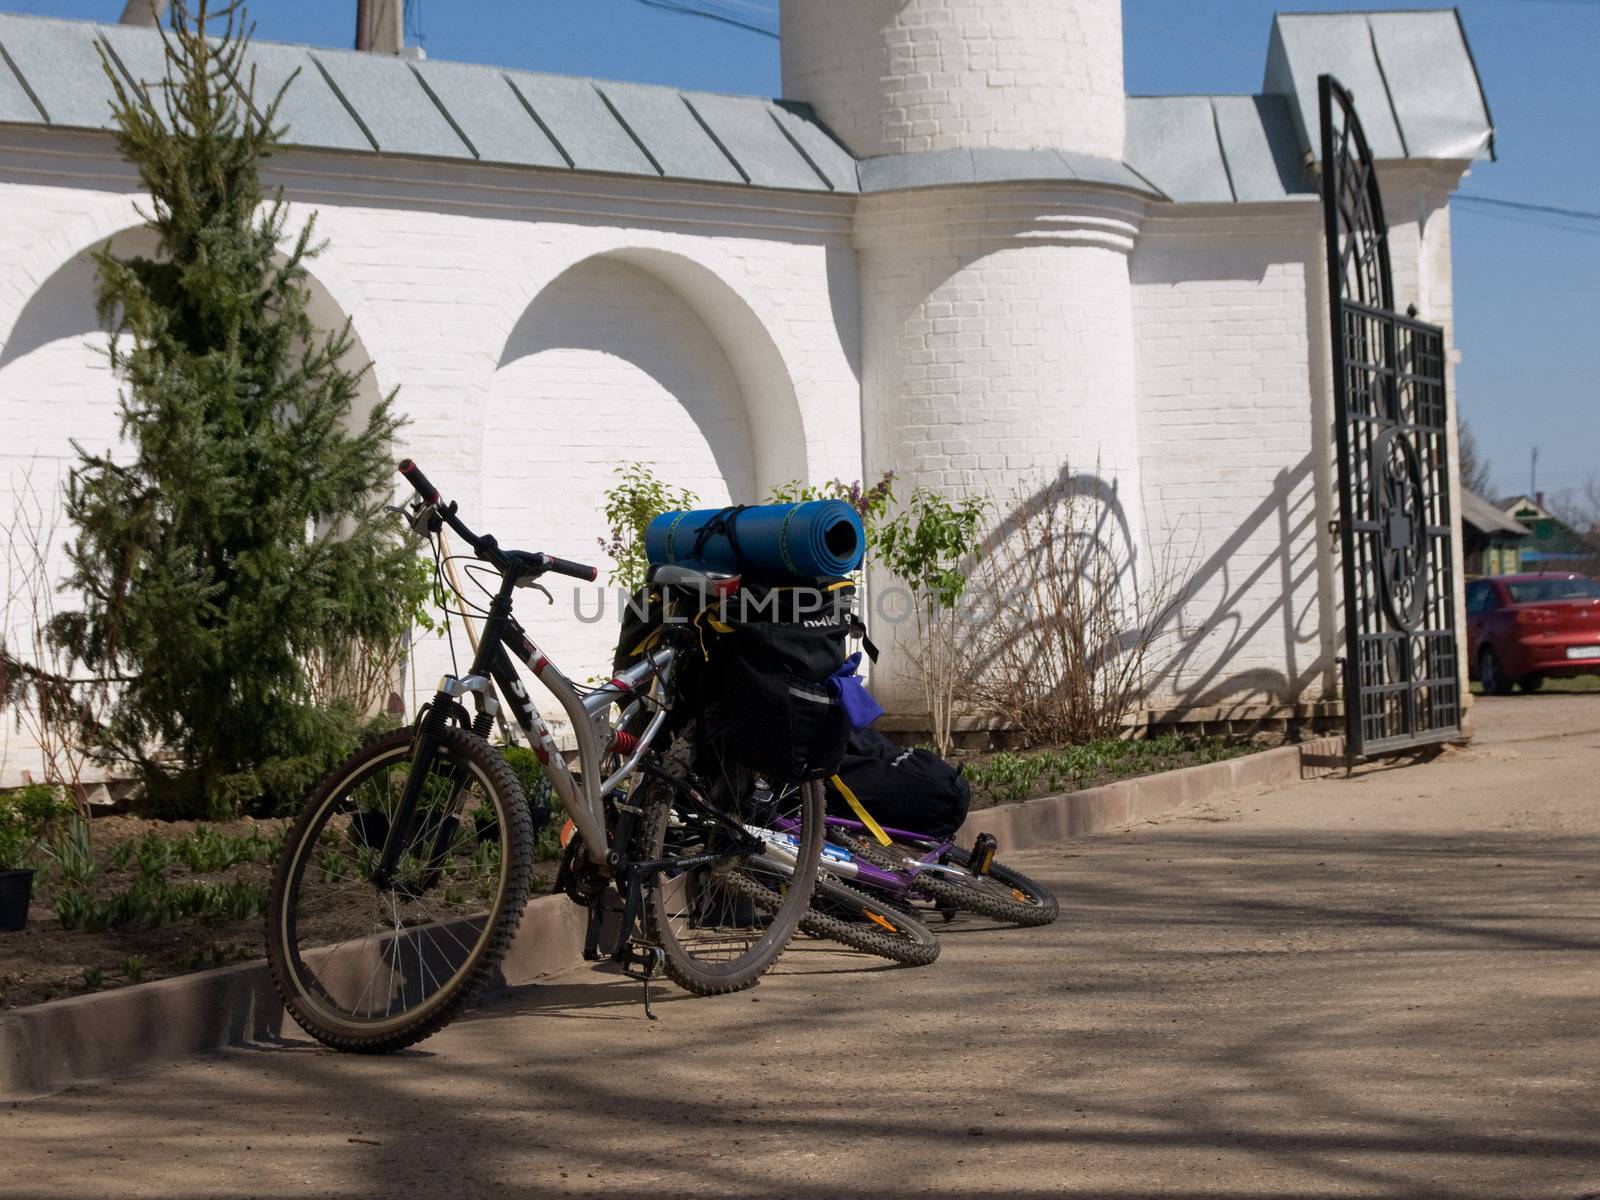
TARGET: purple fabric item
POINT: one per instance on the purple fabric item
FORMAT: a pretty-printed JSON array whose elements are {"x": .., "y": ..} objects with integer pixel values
[{"x": 859, "y": 704}]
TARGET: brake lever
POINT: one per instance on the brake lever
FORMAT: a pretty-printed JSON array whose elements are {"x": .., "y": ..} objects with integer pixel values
[
  {"x": 537, "y": 587},
  {"x": 423, "y": 519}
]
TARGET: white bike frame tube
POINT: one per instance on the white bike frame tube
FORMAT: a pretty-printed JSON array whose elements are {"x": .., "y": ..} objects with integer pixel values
[{"x": 583, "y": 798}]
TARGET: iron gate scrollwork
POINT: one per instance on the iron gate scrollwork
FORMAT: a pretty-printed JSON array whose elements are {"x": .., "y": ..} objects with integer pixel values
[{"x": 1402, "y": 681}]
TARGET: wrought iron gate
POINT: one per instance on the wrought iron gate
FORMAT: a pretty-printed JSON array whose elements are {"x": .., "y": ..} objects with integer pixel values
[{"x": 1402, "y": 684}]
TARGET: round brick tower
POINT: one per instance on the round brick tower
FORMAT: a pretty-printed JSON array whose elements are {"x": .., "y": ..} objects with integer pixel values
[
  {"x": 902, "y": 76},
  {"x": 993, "y": 234}
]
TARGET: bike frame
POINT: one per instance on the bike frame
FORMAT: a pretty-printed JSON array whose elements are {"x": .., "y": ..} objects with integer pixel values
[
  {"x": 504, "y": 640},
  {"x": 840, "y": 863},
  {"x": 597, "y": 733}
]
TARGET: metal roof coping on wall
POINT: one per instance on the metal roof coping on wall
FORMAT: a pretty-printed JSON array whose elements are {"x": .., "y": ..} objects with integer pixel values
[
  {"x": 51, "y": 73},
  {"x": 1412, "y": 72},
  {"x": 1419, "y": 93}
]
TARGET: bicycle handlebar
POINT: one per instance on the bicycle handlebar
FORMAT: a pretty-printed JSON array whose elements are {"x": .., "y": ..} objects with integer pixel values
[
  {"x": 485, "y": 547},
  {"x": 415, "y": 477},
  {"x": 573, "y": 570}
]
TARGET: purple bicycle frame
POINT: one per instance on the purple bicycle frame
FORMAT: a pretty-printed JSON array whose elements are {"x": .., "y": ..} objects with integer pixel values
[{"x": 839, "y": 862}]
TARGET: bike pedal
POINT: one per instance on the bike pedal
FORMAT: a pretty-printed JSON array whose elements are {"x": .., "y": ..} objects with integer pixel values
[
  {"x": 642, "y": 962},
  {"x": 981, "y": 858}
]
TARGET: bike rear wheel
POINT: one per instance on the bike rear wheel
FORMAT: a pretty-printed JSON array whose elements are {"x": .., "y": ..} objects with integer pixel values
[
  {"x": 713, "y": 934},
  {"x": 373, "y": 969}
]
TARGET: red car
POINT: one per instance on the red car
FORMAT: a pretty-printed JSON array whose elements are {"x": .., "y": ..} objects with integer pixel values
[{"x": 1522, "y": 629}]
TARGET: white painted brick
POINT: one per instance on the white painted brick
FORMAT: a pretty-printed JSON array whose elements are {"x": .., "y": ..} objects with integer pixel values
[{"x": 900, "y": 76}]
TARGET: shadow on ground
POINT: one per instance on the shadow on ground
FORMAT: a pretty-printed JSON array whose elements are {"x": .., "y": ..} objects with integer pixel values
[{"x": 1221, "y": 1011}]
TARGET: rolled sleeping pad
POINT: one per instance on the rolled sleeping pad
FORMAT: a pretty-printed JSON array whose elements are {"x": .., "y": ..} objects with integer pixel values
[{"x": 812, "y": 539}]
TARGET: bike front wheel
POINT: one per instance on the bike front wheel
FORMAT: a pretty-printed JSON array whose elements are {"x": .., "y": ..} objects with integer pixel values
[
  {"x": 852, "y": 917},
  {"x": 373, "y": 968}
]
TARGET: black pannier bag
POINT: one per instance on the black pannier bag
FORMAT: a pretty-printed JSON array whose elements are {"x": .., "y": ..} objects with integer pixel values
[
  {"x": 913, "y": 790},
  {"x": 758, "y": 671}
]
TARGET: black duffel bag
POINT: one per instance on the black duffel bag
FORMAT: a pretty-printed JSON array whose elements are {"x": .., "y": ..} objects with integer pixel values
[
  {"x": 757, "y": 673},
  {"x": 769, "y": 651},
  {"x": 913, "y": 790}
]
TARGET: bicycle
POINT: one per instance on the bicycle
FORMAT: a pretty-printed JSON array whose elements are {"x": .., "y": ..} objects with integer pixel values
[
  {"x": 902, "y": 865},
  {"x": 400, "y": 887},
  {"x": 871, "y": 876}
]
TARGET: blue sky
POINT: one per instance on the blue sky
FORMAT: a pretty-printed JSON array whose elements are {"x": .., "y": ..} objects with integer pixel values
[{"x": 1527, "y": 296}]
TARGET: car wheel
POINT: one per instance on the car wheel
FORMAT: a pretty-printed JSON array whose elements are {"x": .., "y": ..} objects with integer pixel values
[
  {"x": 1531, "y": 683},
  {"x": 1492, "y": 674}
]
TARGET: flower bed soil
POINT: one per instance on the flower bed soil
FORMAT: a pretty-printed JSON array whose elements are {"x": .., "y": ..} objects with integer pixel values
[{"x": 47, "y": 962}]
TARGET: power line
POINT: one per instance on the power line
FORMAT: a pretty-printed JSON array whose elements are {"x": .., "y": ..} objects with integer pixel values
[
  {"x": 1589, "y": 4},
  {"x": 726, "y": 13},
  {"x": 1583, "y": 214},
  {"x": 1547, "y": 112},
  {"x": 1544, "y": 216}
]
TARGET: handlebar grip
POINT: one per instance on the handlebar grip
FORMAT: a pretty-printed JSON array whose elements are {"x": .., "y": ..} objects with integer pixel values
[
  {"x": 415, "y": 477},
  {"x": 573, "y": 570}
]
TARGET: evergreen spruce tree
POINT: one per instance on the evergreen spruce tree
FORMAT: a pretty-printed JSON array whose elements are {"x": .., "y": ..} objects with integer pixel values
[{"x": 243, "y": 527}]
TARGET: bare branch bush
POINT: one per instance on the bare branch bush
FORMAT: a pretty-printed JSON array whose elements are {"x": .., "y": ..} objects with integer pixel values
[
  {"x": 1076, "y": 627},
  {"x": 40, "y": 680},
  {"x": 362, "y": 674},
  {"x": 943, "y": 658},
  {"x": 1578, "y": 509}
]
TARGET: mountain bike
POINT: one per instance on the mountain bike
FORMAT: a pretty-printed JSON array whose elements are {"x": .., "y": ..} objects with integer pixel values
[
  {"x": 400, "y": 887},
  {"x": 871, "y": 878}
]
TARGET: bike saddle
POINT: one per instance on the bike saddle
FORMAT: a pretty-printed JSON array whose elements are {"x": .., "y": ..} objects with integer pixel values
[{"x": 704, "y": 582}]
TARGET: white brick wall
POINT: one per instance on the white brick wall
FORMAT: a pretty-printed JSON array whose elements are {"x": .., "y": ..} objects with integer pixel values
[
  {"x": 687, "y": 325},
  {"x": 543, "y": 328},
  {"x": 607, "y": 361},
  {"x": 900, "y": 76},
  {"x": 1226, "y": 309},
  {"x": 998, "y": 345}
]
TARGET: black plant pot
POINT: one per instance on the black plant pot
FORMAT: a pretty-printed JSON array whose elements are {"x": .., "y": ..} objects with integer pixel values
[{"x": 16, "y": 889}]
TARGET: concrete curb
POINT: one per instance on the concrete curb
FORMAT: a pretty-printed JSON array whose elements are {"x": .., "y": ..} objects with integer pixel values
[
  {"x": 51, "y": 1046},
  {"x": 1052, "y": 818},
  {"x": 47, "y": 1047}
]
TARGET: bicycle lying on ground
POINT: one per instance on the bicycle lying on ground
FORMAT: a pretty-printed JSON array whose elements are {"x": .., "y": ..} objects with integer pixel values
[
  {"x": 871, "y": 878},
  {"x": 401, "y": 885}
]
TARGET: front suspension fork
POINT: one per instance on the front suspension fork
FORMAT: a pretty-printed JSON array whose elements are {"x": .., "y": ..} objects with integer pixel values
[{"x": 401, "y": 830}]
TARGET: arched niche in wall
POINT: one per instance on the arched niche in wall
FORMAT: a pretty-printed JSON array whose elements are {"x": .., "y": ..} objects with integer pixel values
[
  {"x": 56, "y": 388},
  {"x": 637, "y": 354}
]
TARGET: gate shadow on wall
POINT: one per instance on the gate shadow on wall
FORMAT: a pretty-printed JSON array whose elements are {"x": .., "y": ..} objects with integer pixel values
[
  {"x": 1202, "y": 619},
  {"x": 1199, "y": 673}
]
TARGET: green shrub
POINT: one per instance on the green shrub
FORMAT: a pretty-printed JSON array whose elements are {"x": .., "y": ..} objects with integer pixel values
[
  {"x": 27, "y": 817},
  {"x": 636, "y": 499},
  {"x": 74, "y": 853},
  {"x": 1008, "y": 778}
]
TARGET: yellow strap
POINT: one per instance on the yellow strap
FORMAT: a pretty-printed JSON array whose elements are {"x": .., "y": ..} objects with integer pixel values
[{"x": 855, "y": 806}]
